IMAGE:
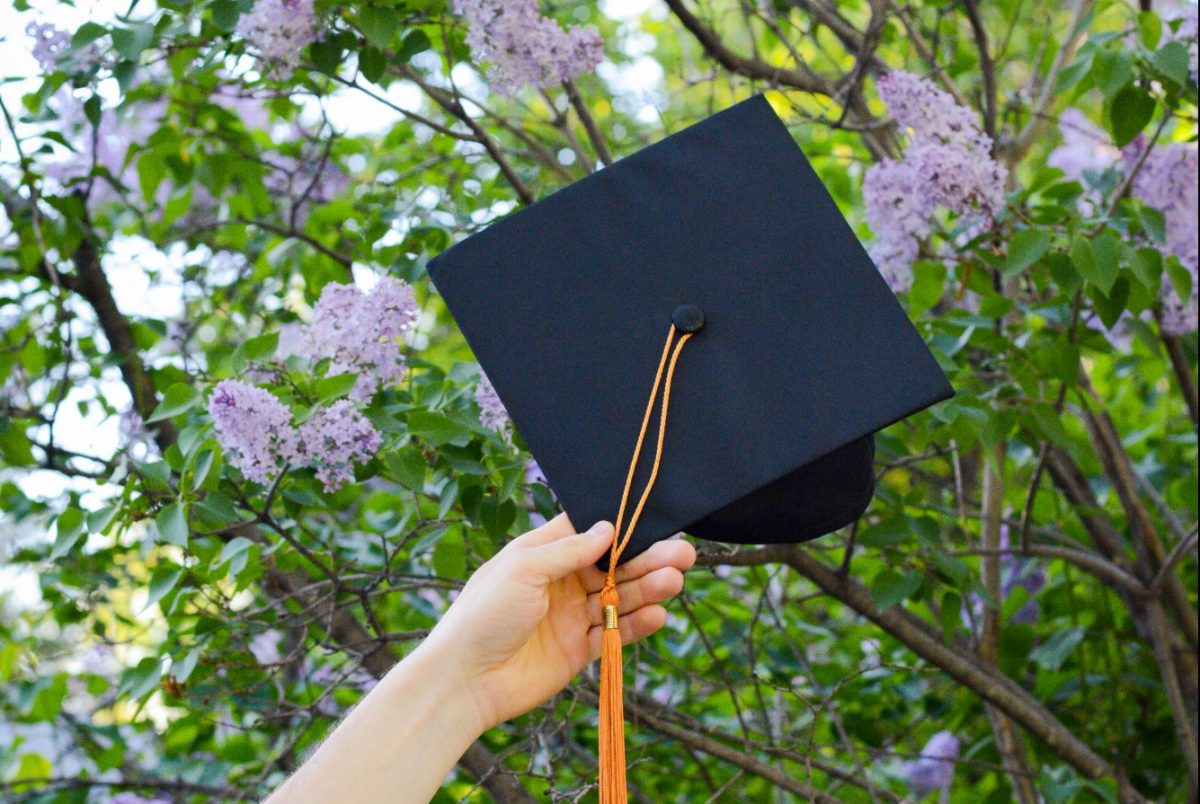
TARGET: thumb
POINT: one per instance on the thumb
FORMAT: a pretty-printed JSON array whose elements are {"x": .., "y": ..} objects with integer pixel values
[{"x": 560, "y": 558}]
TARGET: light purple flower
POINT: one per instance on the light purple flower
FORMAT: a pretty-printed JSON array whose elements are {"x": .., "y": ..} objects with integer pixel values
[
  {"x": 931, "y": 114},
  {"x": 265, "y": 646},
  {"x": 360, "y": 332},
  {"x": 1086, "y": 148},
  {"x": 524, "y": 47},
  {"x": 279, "y": 30},
  {"x": 49, "y": 44},
  {"x": 947, "y": 164},
  {"x": 898, "y": 212},
  {"x": 934, "y": 770},
  {"x": 492, "y": 413},
  {"x": 968, "y": 183},
  {"x": 334, "y": 439},
  {"x": 254, "y": 428},
  {"x": 1015, "y": 570},
  {"x": 1167, "y": 181},
  {"x": 104, "y": 146}
]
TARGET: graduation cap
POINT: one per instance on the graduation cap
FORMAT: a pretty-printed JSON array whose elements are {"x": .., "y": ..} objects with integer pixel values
[{"x": 691, "y": 339}]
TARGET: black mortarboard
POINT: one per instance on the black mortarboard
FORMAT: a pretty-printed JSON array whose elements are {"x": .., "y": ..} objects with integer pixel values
[{"x": 804, "y": 352}]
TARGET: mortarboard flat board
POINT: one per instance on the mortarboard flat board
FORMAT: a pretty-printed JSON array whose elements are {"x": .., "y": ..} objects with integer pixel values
[{"x": 803, "y": 355}]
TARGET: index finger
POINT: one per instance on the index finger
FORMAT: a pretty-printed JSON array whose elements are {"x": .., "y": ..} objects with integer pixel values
[{"x": 677, "y": 553}]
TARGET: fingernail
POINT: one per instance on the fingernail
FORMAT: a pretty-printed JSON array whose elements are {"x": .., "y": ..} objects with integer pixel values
[{"x": 601, "y": 528}]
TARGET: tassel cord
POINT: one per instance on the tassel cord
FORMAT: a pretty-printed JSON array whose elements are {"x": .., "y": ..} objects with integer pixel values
[{"x": 613, "y": 787}]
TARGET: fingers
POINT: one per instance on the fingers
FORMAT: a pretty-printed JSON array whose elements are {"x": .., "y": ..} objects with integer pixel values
[
  {"x": 654, "y": 587},
  {"x": 638, "y": 625},
  {"x": 567, "y": 554},
  {"x": 553, "y": 530},
  {"x": 676, "y": 553}
]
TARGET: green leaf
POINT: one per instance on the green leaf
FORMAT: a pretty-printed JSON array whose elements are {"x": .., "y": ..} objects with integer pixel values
[
  {"x": 1051, "y": 654},
  {"x": 1109, "y": 306},
  {"x": 953, "y": 568},
  {"x": 1173, "y": 61},
  {"x": 1131, "y": 110},
  {"x": 1084, "y": 259},
  {"x": 178, "y": 399},
  {"x": 1180, "y": 278},
  {"x": 929, "y": 283},
  {"x": 408, "y": 465},
  {"x": 172, "y": 524},
  {"x": 887, "y": 533},
  {"x": 497, "y": 517},
  {"x": 260, "y": 348},
  {"x": 378, "y": 25},
  {"x": 952, "y": 613},
  {"x": 130, "y": 42},
  {"x": 434, "y": 428},
  {"x": 99, "y": 520},
  {"x": 1149, "y": 29},
  {"x": 415, "y": 41},
  {"x": 157, "y": 473},
  {"x": 87, "y": 33},
  {"x": 1048, "y": 424},
  {"x": 449, "y": 556},
  {"x": 201, "y": 468},
  {"x": 32, "y": 767},
  {"x": 1111, "y": 70},
  {"x": 1024, "y": 249},
  {"x": 162, "y": 581},
  {"x": 1154, "y": 222},
  {"x": 890, "y": 587},
  {"x": 1059, "y": 359},
  {"x": 1147, "y": 266},
  {"x": 372, "y": 62},
  {"x": 335, "y": 387},
  {"x": 151, "y": 170},
  {"x": 225, "y": 14},
  {"x": 327, "y": 55},
  {"x": 68, "y": 530}
]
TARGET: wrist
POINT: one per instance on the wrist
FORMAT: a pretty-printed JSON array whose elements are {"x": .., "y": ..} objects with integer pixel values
[{"x": 461, "y": 699}]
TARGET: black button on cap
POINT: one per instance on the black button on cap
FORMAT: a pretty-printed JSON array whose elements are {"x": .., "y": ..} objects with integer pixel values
[{"x": 688, "y": 318}]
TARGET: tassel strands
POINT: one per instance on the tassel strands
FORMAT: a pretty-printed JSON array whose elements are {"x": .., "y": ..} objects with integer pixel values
[{"x": 613, "y": 787}]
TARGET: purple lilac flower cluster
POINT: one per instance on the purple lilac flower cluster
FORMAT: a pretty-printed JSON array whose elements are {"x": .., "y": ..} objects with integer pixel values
[
  {"x": 947, "y": 164},
  {"x": 335, "y": 438},
  {"x": 49, "y": 44},
  {"x": 358, "y": 332},
  {"x": 934, "y": 770},
  {"x": 52, "y": 49},
  {"x": 1167, "y": 181},
  {"x": 255, "y": 430},
  {"x": 1015, "y": 571},
  {"x": 279, "y": 30},
  {"x": 524, "y": 47},
  {"x": 492, "y": 412}
]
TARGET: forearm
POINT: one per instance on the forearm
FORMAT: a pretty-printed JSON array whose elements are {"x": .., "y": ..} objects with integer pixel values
[{"x": 398, "y": 744}]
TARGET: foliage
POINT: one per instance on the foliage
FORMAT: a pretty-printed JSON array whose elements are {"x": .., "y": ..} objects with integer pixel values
[{"x": 177, "y": 195}]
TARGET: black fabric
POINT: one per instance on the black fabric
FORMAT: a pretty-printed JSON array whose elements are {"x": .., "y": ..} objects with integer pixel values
[{"x": 804, "y": 352}]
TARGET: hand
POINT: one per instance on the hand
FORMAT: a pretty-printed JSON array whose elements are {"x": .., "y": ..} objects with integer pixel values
[{"x": 529, "y": 619}]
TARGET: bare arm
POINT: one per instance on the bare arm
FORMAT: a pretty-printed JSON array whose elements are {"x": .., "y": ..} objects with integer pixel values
[{"x": 524, "y": 625}]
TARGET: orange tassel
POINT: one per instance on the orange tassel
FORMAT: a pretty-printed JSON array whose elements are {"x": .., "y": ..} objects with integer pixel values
[
  {"x": 612, "y": 705},
  {"x": 613, "y": 788}
]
